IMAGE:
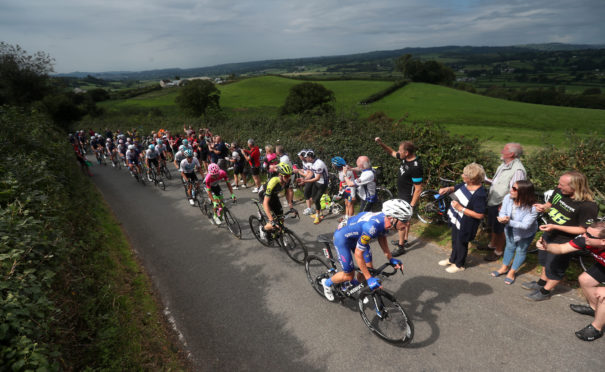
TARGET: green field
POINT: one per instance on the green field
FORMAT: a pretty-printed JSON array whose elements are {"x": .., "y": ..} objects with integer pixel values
[{"x": 495, "y": 121}]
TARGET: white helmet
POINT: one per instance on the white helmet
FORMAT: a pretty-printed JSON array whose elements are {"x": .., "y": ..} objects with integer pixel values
[
  {"x": 397, "y": 208},
  {"x": 131, "y": 147}
]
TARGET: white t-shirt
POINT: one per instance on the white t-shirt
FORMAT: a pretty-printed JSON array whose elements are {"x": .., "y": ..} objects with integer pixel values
[
  {"x": 151, "y": 154},
  {"x": 187, "y": 167},
  {"x": 285, "y": 159},
  {"x": 366, "y": 186},
  {"x": 319, "y": 167}
]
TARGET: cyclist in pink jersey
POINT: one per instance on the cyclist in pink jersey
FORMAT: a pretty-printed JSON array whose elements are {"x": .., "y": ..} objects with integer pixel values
[{"x": 212, "y": 179}]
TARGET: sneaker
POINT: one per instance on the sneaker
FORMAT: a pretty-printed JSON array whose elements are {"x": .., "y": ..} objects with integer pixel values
[
  {"x": 482, "y": 247},
  {"x": 317, "y": 219},
  {"x": 216, "y": 220},
  {"x": 445, "y": 263},
  {"x": 582, "y": 309},
  {"x": 454, "y": 269},
  {"x": 262, "y": 233},
  {"x": 327, "y": 290},
  {"x": 531, "y": 286},
  {"x": 398, "y": 251},
  {"x": 537, "y": 295},
  {"x": 493, "y": 257},
  {"x": 244, "y": 186},
  {"x": 396, "y": 242},
  {"x": 255, "y": 189},
  {"x": 191, "y": 202},
  {"x": 235, "y": 188},
  {"x": 307, "y": 211},
  {"x": 588, "y": 333}
]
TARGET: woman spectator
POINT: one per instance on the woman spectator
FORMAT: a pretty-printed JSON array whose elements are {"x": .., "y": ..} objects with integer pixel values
[
  {"x": 271, "y": 161},
  {"x": 518, "y": 215},
  {"x": 465, "y": 213}
]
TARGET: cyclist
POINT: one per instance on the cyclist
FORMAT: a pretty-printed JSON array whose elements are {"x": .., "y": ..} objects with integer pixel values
[
  {"x": 348, "y": 192},
  {"x": 214, "y": 176},
  {"x": 111, "y": 150},
  {"x": 188, "y": 167},
  {"x": 179, "y": 156},
  {"x": 151, "y": 158},
  {"x": 162, "y": 150},
  {"x": 270, "y": 198},
  {"x": 132, "y": 157},
  {"x": 353, "y": 240},
  {"x": 122, "y": 147},
  {"x": 94, "y": 146}
]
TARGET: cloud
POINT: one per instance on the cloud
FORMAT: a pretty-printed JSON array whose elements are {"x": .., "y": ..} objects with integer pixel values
[{"x": 95, "y": 35}]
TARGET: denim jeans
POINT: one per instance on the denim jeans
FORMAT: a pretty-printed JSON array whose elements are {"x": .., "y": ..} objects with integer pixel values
[{"x": 517, "y": 249}]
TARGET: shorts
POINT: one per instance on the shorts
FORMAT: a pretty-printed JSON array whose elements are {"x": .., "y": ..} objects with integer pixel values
[
  {"x": 492, "y": 219},
  {"x": 134, "y": 161},
  {"x": 255, "y": 170},
  {"x": 405, "y": 195},
  {"x": 345, "y": 248},
  {"x": 238, "y": 169},
  {"x": 216, "y": 190},
  {"x": 597, "y": 271},
  {"x": 556, "y": 265},
  {"x": 162, "y": 156},
  {"x": 191, "y": 176},
  {"x": 154, "y": 162},
  {"x": 308, "y": 191},
  {"x": 222, "y": 163}
]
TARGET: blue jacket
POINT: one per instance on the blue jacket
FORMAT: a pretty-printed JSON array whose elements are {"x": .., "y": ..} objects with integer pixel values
[{"x": 522, "y": 223}]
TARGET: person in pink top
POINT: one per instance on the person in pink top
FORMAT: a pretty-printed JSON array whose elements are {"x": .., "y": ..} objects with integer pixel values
[
  {"x": 212, "y": 180},
  {"x": 252, "y": 155},
  {"x": 271, "y": 161}
]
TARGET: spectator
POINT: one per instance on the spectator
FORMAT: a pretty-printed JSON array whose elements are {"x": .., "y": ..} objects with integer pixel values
[
  {"x": 571, "y": 210},
  {"x": 319, "y": 180},
  {"x": 271, "y": 161},
  {"x": 238, "y": 162},
  {"x": 204, "y": 151},
  {"x": 189, "y": 132},
  {"x": 365, "y": 184},
  {"x": 465, "y": 213},
  {"x": 592, "y": 240},
  {"x": 409, "y": 183},
  {"x": 283, "y": 157},
  {"x": 219, "y": 152},
  {"x": 252, "y": 155},
  {"x": 518, "y": 215},
  {"x": 510, "y": 171},
  {"x": 344, "y": 191},
  {"x": 306, "y": 173}
]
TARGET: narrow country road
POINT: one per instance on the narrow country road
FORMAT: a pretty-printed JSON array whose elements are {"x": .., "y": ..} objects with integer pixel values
[{"x": 242, "y": 306}]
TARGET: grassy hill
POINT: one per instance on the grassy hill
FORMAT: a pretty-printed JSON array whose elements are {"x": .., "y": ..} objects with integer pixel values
[{"x": 494, "y": 120}]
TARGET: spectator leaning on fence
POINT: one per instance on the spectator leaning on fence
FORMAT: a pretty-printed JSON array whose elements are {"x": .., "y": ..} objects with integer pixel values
[
  {"x": 409, "y": 182},
  {"x": 466, "y": 211},
  {"x": 510, "y": 171},
  {"x": 569, "y": 211},
  {"x": 593, "y": 241}
]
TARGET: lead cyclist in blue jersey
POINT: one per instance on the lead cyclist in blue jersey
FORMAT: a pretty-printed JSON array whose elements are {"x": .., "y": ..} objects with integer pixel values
[{"x": 354, "y": 240}]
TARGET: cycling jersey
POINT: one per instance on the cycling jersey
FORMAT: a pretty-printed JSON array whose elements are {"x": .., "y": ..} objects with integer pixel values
[
  {"x": 160, "y": 148},
  {"x": 151, "y": 154},
  {"x": 132, "y": 157},
  {"x": 319, "y": 167},
  {"x": 122, "y": 149},
  {"x": 189, "y": 167},
  {"x": 179, "y": 157},
  {"x": 357, "y": 234},
  {"x": 211, "y": 180},
  {"x": 110, "y": 146},
  {"x": 349, "y": 191},
  {"x": 274, "y": 186}
]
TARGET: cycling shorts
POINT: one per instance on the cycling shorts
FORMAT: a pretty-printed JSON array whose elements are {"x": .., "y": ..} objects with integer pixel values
[
  {"x": 191, "y": 176},
  {"x": 154, "y": 162},
  {"x": 216, "y": 190},
  {"x": 134, "y": 161},
  {"x": 345, "y": 248}
]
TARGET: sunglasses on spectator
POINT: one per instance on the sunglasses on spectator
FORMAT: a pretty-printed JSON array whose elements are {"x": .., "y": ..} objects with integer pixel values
[
  {"x": 590, "y": 236},
  {"x": 514, "y": 188}
]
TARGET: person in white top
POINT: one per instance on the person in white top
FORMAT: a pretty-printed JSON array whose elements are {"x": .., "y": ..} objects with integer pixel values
[
  {"x": 365, "y": 183},
  {"x": 320, "y": 182}
]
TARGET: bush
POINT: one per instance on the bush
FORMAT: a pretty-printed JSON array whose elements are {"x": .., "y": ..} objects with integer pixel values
[
  {"x": 198, "y": 96},
  {"x": 383, "y": 93},
  {"x": 308, "y": 98}
]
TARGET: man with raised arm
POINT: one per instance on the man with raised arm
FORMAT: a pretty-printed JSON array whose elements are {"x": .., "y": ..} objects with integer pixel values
[{"x": 409, "y": 182}]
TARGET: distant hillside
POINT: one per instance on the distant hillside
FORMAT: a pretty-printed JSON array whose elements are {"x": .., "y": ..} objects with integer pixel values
[{"x": 377, "y": 60}]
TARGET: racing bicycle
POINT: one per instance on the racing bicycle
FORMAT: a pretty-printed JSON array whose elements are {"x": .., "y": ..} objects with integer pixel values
[
  {"x": 156, "y": 178},
  {"x": 379, "y": 309},
  {"x": 222, "y": 213},
  {"x": 280, "y": 235}
]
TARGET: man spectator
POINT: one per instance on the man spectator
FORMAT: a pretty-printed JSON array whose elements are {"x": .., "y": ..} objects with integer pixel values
[
  {"x": 593, "y": 241},
  {"x": 569, "y": 211},
  {"x": 365, "y": 183},
  {"x": 252, "y": 155},
  {"x": 238, "y": 163},
  {"x": 409, "y": 183},
  {"x": 218, "y": 152},
  {"x": 510, "y": 171},
  {"x": 319, "y": 180}
]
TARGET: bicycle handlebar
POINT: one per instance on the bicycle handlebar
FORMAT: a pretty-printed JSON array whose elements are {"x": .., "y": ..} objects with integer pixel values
[{"x": 381, "y": 270}]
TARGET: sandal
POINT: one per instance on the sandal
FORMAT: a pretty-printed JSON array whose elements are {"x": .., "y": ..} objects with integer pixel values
[
  {"x": 508, "y": 281},
  {"x": 496, "y": 273}
]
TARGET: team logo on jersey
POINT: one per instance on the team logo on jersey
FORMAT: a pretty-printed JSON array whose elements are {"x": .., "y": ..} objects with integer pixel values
[
  {"x": 365, "y": 239},
  {"x": 556, "y": 198},
  {"x": 373, "y": 230}
]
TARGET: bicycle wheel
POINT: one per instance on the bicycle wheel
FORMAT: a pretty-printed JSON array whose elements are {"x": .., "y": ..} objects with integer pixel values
[
  {"x": 383, "y": 194},
  {"x": 232, "y": 223},
  {"x": 586, "y": 260},
  {"x": 383, "y": 315},
  {"x": 427, "y": 209},
  {"x": 336, "y": 209},
  {"x": 166, "y": 173},
  {"x": 294, "y": 247},
  {"x": 255, "y": 225},
  {"x": 161, "y": 184},
  {"x": 317, "y": 269}
]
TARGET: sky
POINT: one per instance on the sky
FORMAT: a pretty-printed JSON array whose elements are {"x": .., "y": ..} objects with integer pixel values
[{"x": 136, "y": 35}]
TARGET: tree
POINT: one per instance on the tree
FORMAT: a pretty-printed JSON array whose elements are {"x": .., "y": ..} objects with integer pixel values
[
  {"x": 307, "y": 98},
  {"x": 23, "y": 77},
  {"x": 198, "y": 96},
  {"x": 401, "y": 64},
  {"x": 432, "y": 72}
]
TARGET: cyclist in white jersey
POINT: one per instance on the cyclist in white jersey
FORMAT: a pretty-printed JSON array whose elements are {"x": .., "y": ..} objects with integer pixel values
[
  {"x": 188, "y": 167},
  {"x": 179, "y": 157},
  {"x": 151, "y": 158}
]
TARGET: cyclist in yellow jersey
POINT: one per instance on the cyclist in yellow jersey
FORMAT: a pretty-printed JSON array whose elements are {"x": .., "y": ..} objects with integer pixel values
[{"x": 270, "y": 198}]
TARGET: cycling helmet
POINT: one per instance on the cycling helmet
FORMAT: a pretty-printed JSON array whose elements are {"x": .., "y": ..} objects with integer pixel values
[
  {"x": 121, "y": 141},
  {"x": 213, "y": 169},
  {"x": 182, "y": 148},
  {"x": 160, "y": 142},
  {"x": 185, "y": 142},
  {"x": 131, "y": 147},
  {"x": 397, "y": 208},
  {"x": 108, "y": 140},
  {"x": 128, "y": 139},
  {"x": 189, "y": 153},
  {"x": 338, "y": 161},
  {"x": 93, "y": 138},
  {"x": 151, "y": 147},
  {"x": 284, "y": 169}
]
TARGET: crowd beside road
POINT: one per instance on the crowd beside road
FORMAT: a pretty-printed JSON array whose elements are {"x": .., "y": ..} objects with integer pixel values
[{"x": 569, "y": 212}]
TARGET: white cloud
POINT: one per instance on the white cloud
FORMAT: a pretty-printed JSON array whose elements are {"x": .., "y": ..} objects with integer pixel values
[{"x": 95, "y": 35}]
